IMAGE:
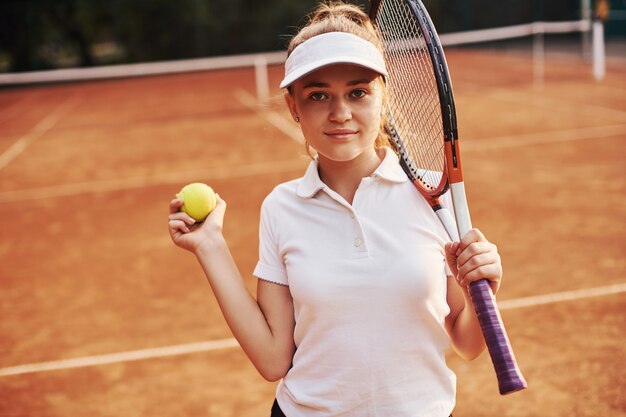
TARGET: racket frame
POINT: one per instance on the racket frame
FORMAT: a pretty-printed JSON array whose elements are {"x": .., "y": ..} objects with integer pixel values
[{"x": 510, "y": 378}]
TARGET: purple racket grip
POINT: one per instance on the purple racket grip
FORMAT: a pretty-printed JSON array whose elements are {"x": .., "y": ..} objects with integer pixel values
[{"x": 510, "y": 378}]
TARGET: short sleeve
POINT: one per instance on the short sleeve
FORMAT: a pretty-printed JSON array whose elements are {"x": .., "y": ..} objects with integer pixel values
[{"x": 270, "y": 266}]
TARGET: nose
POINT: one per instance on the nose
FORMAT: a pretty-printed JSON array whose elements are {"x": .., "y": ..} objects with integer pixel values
[{"x": 340, "y": 111}]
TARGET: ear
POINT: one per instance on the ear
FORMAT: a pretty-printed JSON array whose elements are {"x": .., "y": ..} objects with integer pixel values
[{"x": 291, "y": 105}]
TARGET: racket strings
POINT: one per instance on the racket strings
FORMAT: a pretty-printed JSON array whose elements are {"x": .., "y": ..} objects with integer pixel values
[{"x": 413, "y": 94}]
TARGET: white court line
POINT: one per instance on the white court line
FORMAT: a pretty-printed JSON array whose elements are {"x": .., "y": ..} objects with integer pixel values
[
  {"x": 281, "y": 123},
  {"x": 545, "y": 138},
  {"x": 556, "y": 297},
  {"x": 36, "y": 132},
  {"x": 293, "y": 132},
  {"x": 594, "y": 132},
  {"x": 130, "y": 356},
  {"x": 220, "y": 344},
  {"x": 93, "y": 187},
  {"x": 549, "y": 103}
]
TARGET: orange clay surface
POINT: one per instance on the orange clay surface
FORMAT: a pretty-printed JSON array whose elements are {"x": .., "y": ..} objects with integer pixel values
[{"x": 87, "y": 267}]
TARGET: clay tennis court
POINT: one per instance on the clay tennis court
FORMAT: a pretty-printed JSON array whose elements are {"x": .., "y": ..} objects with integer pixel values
[{"x": 101, "y": 315}]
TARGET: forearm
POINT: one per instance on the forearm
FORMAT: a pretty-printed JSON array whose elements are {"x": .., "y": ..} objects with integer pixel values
[
  {"x": 241, "y": 310},
  {"x": 467, "y": 337},
  {"x": 471, "y": 259}
]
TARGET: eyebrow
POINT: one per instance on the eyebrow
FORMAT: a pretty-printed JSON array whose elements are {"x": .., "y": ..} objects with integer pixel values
[{"x": 317, "y": 84}]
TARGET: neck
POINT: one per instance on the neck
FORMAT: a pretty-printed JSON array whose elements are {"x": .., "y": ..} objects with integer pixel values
[{"x": 344, "y": 177}]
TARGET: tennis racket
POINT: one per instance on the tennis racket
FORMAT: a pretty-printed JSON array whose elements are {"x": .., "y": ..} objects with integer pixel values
[{"x": 424, "y": 134}]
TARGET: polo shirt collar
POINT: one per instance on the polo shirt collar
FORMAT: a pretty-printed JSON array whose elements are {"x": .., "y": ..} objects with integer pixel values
[
  {"x": 311, "y": 182},
  {"x": 388, "y": 170}
]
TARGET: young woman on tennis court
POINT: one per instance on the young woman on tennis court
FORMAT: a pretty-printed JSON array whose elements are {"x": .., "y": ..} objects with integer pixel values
[{"x": 359, "y": 293}]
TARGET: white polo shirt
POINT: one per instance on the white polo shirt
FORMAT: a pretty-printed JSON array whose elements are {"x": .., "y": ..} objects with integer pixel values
[{"x": 368, "y": 282}]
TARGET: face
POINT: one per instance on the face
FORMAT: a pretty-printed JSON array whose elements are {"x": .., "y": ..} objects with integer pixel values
[{"x": 339, "y": 108}]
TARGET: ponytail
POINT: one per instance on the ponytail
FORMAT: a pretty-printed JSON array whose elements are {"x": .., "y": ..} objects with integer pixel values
[{"x": 337, "y": 17}]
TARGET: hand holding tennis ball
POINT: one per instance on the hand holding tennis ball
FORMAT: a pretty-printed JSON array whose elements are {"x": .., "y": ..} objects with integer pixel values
[{"x": 199, "y": 200}]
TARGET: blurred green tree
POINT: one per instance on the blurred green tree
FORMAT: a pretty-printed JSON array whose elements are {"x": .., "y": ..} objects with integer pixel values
[{"x": 39, "y": 34}]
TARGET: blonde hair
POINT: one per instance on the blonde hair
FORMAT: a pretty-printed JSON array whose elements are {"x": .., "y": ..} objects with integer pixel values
[{"x": 344, "y": 17}]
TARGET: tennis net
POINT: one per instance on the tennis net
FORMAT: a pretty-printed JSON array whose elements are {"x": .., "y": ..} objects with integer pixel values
[{"x": 571, "y": 37}]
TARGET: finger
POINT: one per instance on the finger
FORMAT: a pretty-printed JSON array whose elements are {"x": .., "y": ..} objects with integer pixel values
[
  {"x": 220, "y": 207},
  {"x": 451, "y": 248},
  {"x": 451, "y": 258},
  {"x": 175, "y": 205},
  {"x": 475, "y": 275},
  {"x": 220, "y": 201},
  {"x": 476, "y": 262},
  {"x": 178, "y": 225},
  {"x": 182, "y": 216},
  {"x": 493, "y": 284},
  {"x": 491, "y": 272},
  {"x": 474, "y": 235},
  {"x": 474, "y": 249}
]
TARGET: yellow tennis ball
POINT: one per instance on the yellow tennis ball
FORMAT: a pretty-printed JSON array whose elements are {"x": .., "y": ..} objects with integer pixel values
[{"x": 199, "y": 200}]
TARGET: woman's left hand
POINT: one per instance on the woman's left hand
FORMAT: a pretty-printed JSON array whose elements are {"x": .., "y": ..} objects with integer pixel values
[{"x": 474, "y": 258}]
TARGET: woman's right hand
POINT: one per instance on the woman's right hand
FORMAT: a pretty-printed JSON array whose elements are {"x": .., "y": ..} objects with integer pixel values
[{"x": 191, "y": 235}]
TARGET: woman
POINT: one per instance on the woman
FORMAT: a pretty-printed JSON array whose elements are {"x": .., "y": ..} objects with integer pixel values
[{"x": 359, "y": 292}]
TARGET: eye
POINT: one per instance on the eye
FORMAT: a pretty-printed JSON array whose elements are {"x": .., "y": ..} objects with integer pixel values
[
  {"x": 358, "y": 93},
  {"x": 318, "y": 96}
]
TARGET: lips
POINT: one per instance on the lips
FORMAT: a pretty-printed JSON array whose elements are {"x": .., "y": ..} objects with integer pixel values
[{"x": 340, "y": 133}]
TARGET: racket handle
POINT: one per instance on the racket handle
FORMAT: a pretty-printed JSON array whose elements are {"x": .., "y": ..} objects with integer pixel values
[{"x": 510, "y": 379}]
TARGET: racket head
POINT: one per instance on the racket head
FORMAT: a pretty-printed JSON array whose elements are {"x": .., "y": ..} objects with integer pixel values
[
  {"x": 421, "y": 107},
  {"x": 424, "y": 134}
]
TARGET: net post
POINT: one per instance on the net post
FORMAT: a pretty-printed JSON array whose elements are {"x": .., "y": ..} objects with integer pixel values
[
  {"x": 538, "y": 55},
  {"x": 599, "y": 64},
  {"x": 261, "y": 79},
  {"x": 585, "y": 15}
]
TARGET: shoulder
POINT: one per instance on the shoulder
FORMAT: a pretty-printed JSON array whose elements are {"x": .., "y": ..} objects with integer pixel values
[
  {"x": 275, "y": 209},
  {"x": 283, "y": 192},
  {"x": 282, "y": 196}
]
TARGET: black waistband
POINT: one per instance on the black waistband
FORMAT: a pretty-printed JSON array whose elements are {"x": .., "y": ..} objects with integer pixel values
[{"x": 277, "y": 412}]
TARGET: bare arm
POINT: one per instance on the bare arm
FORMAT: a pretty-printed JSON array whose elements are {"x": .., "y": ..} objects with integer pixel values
[
  {"x": 263, "y": 327},
  {"x": 462, "y": 324},
  {"x": 471, "y": 259}
]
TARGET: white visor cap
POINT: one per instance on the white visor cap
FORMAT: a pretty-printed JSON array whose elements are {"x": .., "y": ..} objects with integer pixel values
[{"x": 331, "y": 48}]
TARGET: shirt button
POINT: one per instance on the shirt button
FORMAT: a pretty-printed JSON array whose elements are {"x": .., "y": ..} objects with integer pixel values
[
  {"x": 352, "y": 215},
  {"x": 357, "y": 242}
]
